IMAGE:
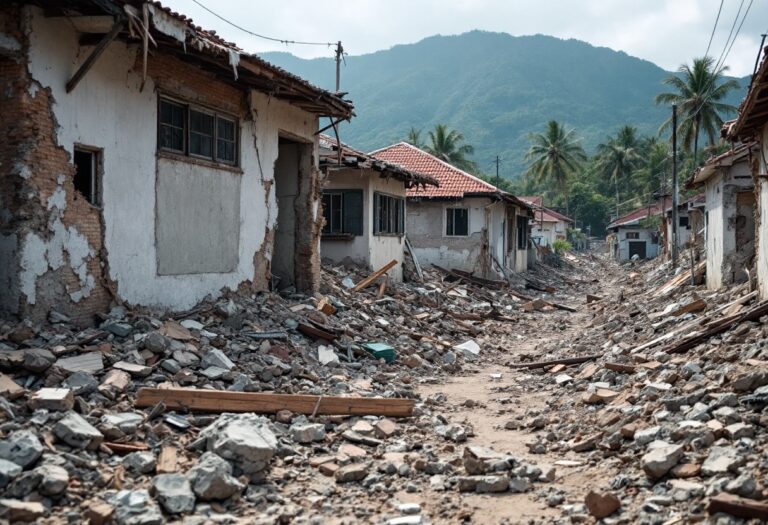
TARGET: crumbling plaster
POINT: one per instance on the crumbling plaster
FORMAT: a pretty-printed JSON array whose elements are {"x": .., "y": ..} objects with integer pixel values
[
  {"x": 761, "y": 241},
  {"x": 107, "y": 110}
]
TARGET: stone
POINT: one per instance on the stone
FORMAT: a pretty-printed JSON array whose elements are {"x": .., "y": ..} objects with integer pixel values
[
  {"x": 191, "y": 324},
  {"x": 185, "y": 358},
  {"x": 599, "y": 395},
  {"x": 211, "y": 478},
  {"x": 115, "y": 382},
  {"x": 722, "y": 460},
  {"x": 601, "y": 504},
  {"x": 81, "y": 383},
  {"x": 21, "y": 447},
  {"x": 170, "y": 365},
  {"x": 726, "y": 415},
  {"x": 744, "y": 485},
  {"x": 76, "y": 432},
  {"x": 518, "y": 485},
  {"x": 563, "y": 379},
  {"x": 54, "y": 399},
  {"x": 54, "y": 480},
  {"x": 214, "y": 372},
  {"x": 216, "y": 357},
  {"x": 307, "y": 433},
  {"x": 244, "y": 439},
  {"x": 453, "y": 432},
  {"x": 351, "y": 472},
  {"x": 156, "y": 342},
  {"x": 661, "y": 459},
  {"x": 136, "y": 507},
  {"x": 15, "y": 510},
  {"x": 99, "y": 512},
  {"x": 140, "y": 462},
  {"x": 326, "y": 355},
  {"x": 174, "y": 493},
  {"x": 408, "y": 509},
  {"x": 405, "y": 520},
  {"x": 449, "y": 358},
  {"x": 117, "y": 328},
  {"x": 686, "y": 470},
  {"x": 89, "y": 362},
  {"x": 385, "y": 428},
  {"x": 133, "y": 369},
  {"x": 492, "y": 484},
  {"x": 740, "y": 430},
  {"x": 120, "y": 424},
  {"x": 8, "y": 472},
  {"x": 646, "y": 435},
  {"x": 38, "y": 360},
  {"x": 10, "y": 388}
]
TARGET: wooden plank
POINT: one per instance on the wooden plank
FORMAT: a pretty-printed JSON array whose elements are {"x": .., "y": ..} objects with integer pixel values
[
  {"x": 694, "y": 306},
  {"x": 419, "y": 271},
  {"x": 375, "y": 275},
  {"x": 739, "y": 507},
  {"x": 167, "y": 460},
  {"x": 564, "y": 361},
  {"x": 95, "y": 54},
  {"x": 225, "y": 401},
  {"x": 620, "y": 367},
  {"x": 315, "y": 333},
  {"x": 593, "y": 298}
]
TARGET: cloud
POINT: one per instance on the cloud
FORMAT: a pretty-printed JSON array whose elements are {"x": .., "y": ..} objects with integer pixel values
[{"x": 666, "y": 32}]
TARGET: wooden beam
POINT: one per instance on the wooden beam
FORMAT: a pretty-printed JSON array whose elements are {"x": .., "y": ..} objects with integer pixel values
[
  {"x": 225, "y": 401},
  {"x": 375, "y": 275},
  {"x": 95, "y": 54},
  {"x": 565, "y": 361},
  {"x": 740, "y": 507}
]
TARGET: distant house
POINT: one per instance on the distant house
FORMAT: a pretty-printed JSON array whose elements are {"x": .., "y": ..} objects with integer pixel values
[
  {"x": 364, "y": 207},
  {"x": 689, "y": 220},
  {"x": 465, "y": 223},
  {"x": 752, "y": 125},
  {"x": 730, "y": 215},
  {"x": 148, "y": 161},
  {"x": 630, "y": 237},
  {"x": 547, "y": 225}
]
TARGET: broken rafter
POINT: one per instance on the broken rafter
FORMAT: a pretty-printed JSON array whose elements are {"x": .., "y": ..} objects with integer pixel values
[
  {"x": 375, "y": 275},
  {"x": 95, "y": 54},
  {"x": 225, "y": 401}
]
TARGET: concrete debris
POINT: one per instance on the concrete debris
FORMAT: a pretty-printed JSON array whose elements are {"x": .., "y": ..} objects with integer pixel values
[
  {"x": 21, "y": 447},
  {"x": 212, "y": 479},
  {"x": 174, "y": 493}
]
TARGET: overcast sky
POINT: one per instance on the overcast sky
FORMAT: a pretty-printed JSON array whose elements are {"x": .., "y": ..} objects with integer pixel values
[{"x": 666, "y": 32}]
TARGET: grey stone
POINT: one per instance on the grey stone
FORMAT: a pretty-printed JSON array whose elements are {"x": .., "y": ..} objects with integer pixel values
[
  {"x": 212, "y": 479},
  {"x": 38, "y": 360},
  {"x": 81, "y": 383},
  {"x": 722, "y": 460},
  {"x": 117, "y": 328},
  {"x": 744, "y": 485},
  {"x": 646, "y": 435},
  {"x": 452, "y": 431},
  {"x": 54, "y": 480},
  {"x": 76, "y": 432},
  {"x": 21, "y": 447},
  {"x": 244, "y": 439},
  {"x": 15, "y": 510},
  {"x": 26, "y": 483},
  {"x": 307, "y": 433},
  {"x": 156, "y": 342},
  {"x": 518, "y": 485},
  {"x": 242, "y": 383},
  {"x": 727, "y": 415},
  {"x": 740, "y": 430},
  {"x": 174, "y": 493},
  {"x": 449, "y": 358},
  {"x": 136, "y": 507},
  {"x": 216, "y": 357},
  {"x": 123, "y": 422},
  {"x": 141, "y": 462},
  {"x": 352, "y": 472},
  {"x": 661, "y": 459},
  {"x": 492, "y": 484},
  {"x": 185, "y": 358},
  {"x": 8, "y": 471},
  {"x": 214, "y": 372},
  {"x": 170, "y": 365}
]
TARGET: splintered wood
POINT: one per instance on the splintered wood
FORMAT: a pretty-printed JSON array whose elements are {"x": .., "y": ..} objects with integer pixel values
[
  {"x": 225, "y": 401},
  {"x": 375, "y": 275}
]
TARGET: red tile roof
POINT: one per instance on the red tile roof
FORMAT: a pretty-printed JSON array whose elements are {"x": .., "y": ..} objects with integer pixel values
[
  {"x": 454, "y": 183},
  {"x": 641, "y": 213},
  {"x": 549, "y": 215}
]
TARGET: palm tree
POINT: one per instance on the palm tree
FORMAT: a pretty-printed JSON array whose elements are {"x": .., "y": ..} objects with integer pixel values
[
  {"x": 618, "y": 157},
  {"x": 554, "y": 156},
  {"x": 447, "y": 145},
  {"x": 414, "y": 138},
  {"x": 698, "y": 94}
]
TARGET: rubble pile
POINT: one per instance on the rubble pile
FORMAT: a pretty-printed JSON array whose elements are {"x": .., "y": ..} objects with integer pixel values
[{"x": 75, "y": 447}]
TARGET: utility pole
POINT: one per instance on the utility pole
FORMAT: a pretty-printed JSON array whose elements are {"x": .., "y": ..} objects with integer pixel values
[
  {"x": 675, "y": 188},
  {"x": 339, "y": 56},
  {"x": 498, "y": 181}
]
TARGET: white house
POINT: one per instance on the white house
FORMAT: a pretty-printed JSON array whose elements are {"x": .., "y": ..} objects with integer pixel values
[
  {"x": 364, "y": 207},
  {"x": 730, "y": 215},
  {"x": 630, "y": 237},
  {"x": 547, "y": 225},
  {"x": 465, "y": 223},
  {"x": 156, "y": 167}
]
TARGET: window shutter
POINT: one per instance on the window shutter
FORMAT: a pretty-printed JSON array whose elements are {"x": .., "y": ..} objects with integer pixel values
[
  {"x": 353, "y": 212},
  {"x": 401, "y": 206}
]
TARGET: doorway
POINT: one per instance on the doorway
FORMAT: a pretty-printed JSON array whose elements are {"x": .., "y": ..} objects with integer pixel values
[{"x": 637, "y": 248}]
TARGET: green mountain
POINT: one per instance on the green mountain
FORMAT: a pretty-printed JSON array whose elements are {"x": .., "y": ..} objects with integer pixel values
[{"x": 493, "y": 87}]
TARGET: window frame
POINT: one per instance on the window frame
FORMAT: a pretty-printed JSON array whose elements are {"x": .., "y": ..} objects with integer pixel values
[
  {"x": 97, "y": 163},
  {"x": 330, "y": 232},
  {"x": 632, "y": 236},
  {"x": 217, "y": 115},
  {"x": 522, "y": 230},
  {"x": 452, "y": 210},
  {"x": 395, "y": 215}
]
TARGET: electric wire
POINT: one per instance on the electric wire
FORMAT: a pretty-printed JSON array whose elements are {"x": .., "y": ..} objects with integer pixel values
[{"x": 714, "y": 28}]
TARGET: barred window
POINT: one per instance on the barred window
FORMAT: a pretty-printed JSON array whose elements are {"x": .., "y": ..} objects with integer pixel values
[
  {"x": 457, "y": 222},
  {"x": 388, "y": 215}
]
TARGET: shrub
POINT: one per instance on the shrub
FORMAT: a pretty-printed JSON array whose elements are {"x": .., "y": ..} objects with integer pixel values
[{"x": 560, "y": 246}]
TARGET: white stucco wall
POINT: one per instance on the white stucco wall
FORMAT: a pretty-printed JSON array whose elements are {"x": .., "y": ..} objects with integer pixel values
[
  {"x": 762, "y": 225},
  {"x": 715, "y": 241},
  {"x": 651, "y": 248},
  {"x": 372, "y": 251},
  {"x": 107, "y": 110}
]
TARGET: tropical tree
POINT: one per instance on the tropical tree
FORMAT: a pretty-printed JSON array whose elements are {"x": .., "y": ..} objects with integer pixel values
[
  {"x": 448, "y": 145},
  {"x": 618, "y": 157},
  {"x": 554, "y": 156},
  {"x": 414, "y": 138},
  {"x": 698, "y": 93}
]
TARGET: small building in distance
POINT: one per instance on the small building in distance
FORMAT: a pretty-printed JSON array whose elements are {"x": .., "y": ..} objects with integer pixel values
[
  {"x": 630, "y": 236},
  {"x": 547, "y": 225}
]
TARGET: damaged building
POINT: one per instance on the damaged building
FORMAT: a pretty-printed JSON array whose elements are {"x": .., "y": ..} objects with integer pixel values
[
  {"x": 547, "y": 225},
  {"x": 465, "y": 223},
  {"x": 730, "y": 215},
  {"x": 148, "y": 161},
  {"x": 632, "y": 236},
  {"x": 364, "y": 207}
]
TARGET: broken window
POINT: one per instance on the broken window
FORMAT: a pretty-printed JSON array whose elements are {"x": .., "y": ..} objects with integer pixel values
[
  {"x": 196, "y": 132},
  {"x": 87, "y": 174},
  {"x": 456, "y": 222},
  {"x": 522, "y": 233},
  {"x": 343, "y": 212},
  {"x": 632, "y": 235},
  {"x": 683, "y": 221},
  {"x": 388, "y": 215}
]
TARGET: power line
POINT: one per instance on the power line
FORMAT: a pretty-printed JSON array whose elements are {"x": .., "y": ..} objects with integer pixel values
[
  {"x": 714, "y": 28},
  {"x": 281, "y": 40}
]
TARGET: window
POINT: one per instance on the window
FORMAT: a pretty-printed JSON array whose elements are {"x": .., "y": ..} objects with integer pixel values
[
  {"x": 456, "y": 222},
  {"x": 632, "y": 235},
  {"x": 522, "y": 233},
  {"x": 683, "y": 221},
  {"x": 196, "y": 132},
  {"x": 388, "y": 215},
  {"x": 343, "y": 213},
  {"x": 87, "y": 174}
]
